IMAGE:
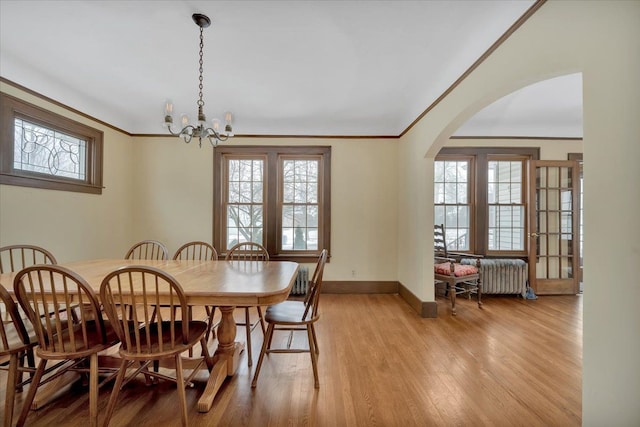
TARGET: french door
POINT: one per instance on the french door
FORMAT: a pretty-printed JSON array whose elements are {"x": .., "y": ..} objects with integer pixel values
[{"x": 554, "y": 227}]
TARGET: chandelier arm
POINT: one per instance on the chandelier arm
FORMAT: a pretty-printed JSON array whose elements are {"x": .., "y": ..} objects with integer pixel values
[
  {"x": 172, "y": 132},
  {"x": 182, "y": 131},
  {"x": 212, "y": 133}
]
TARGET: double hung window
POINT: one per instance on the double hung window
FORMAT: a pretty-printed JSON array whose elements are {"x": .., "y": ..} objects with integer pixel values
[
  {"x": 276, "y": 196},
  {"x": 480, "y": 197},
  {"x": 453, "y": 201}
]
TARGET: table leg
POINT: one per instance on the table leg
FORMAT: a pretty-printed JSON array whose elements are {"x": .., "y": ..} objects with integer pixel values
[
  {"x": 226, "y": 358},
  {"x": 53, "y": 389}
]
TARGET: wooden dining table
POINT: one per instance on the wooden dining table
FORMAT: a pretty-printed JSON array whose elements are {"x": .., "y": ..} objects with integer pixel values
[{"x": 225, "y": 284}]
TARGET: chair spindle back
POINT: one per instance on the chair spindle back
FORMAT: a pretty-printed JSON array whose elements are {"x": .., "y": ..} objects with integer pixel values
[
  {"x": 196, "y": 251},
  {"x": 49, "y": 294},
  {"x": 16, "y": 257},
  {"x": 248, "y": 251},
  {"x": 151, "y": 291},
  {"x": 148, "y": 249}
]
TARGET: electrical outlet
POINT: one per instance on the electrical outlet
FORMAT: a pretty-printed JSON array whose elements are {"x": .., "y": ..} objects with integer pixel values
[{"x": 353, "y": 273}]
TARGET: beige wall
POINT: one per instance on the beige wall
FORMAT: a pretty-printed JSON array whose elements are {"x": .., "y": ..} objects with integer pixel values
[
  {"x": 73, "y": 225},
  {"x": 160, "y": 188},
  {"x": 602, "y": 40},
  {"x": 174, "y": 197}
]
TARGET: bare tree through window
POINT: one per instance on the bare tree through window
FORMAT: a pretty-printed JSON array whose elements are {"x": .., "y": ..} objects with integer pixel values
[{"x": 245, "y": 219}]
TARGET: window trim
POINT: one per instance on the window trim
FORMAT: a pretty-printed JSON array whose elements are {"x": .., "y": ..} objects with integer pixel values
[
  {"x": 13, "y": 108},
  {"x": 481, "y": 218},
  {"x": 272, "y": 189}
]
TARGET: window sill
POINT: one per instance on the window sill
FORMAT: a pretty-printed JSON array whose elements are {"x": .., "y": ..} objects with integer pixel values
[{"x": 49, "y": 184}]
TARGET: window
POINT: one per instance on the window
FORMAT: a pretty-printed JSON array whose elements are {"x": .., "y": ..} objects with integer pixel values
[
  {"x": 505, "y": 192},
  {"x": 244, "y": 201},
  {"x": 276, "y": 196},
  {"x": 300, "y": 203},
  {"x": 453, "y": 206},
  {"x": 480, "y": 197},
  {"x": 44, "y": 150}
]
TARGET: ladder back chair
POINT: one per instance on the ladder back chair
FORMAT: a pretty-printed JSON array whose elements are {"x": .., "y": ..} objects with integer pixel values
[
  {"x": 458, "y": 278},
  {"x": 198, "y": 250},
  {"x": 47, "y": 293},
  {"x": 148, "y": 249},
  {"x": 165, "y": 335},
  {"x": 17, "y": 340},
  {"x": 249, "y": 251},
  {"x": 296, "y": 316},
  {"x": 16, "y": 257}
]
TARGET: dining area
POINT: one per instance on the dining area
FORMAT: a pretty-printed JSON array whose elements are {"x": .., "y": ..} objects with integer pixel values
[{"x": 96, "y": 325}]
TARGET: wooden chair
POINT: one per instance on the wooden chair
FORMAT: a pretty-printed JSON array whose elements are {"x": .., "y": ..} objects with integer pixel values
[
  {"x": 296, "y": 316},
  {"x": 458, "y": 278},
  {"x": 148, "y": 249},
  {"x": 198, "y": 250},
  {"x": 71, "y": 344},
  {"x": 155, "y": 337},
  {"x": 17, "y": 340},
  {"x": 16, "y": 257},
  {"x": 249, "y": 251}
]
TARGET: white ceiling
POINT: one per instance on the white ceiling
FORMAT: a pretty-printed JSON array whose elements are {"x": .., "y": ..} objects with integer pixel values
[{"x": 282, "y": 67}]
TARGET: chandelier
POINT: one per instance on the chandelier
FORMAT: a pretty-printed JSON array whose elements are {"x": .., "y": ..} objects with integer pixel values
[{"x": 189, "y": 131}]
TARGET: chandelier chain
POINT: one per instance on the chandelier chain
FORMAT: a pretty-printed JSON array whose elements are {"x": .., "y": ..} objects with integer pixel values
[{"x": 200, "y": 101}]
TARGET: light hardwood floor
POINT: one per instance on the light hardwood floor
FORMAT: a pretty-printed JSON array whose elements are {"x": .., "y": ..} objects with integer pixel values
[{"x": 515, "y": 363}]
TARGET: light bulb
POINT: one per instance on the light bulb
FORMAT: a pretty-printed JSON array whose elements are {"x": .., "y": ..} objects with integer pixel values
[
  {"x": 215, "y": 125},
  {"x": 168, "y": 107}
]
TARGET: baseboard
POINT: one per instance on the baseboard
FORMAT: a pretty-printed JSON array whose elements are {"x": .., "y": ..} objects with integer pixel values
[
  {"x": 359, "y": 287},
  {"x": 427, "y": 309}
]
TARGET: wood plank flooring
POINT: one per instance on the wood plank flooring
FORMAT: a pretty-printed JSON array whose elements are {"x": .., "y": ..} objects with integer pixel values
[{"x": 515, "y": 363}]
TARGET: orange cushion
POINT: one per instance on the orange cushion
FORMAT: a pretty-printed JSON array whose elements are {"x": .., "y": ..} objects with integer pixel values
[{"x": 459, "y": 270}]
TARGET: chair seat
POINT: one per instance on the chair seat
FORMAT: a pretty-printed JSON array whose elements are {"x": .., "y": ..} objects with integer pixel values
[
  {"x": 197, "y": 329},
  {"x": 459, "y": 270},
  {"x": 285, "y": 312},
  {"x": 94, "y": 340},
  {"x": 14, "y": 343}
]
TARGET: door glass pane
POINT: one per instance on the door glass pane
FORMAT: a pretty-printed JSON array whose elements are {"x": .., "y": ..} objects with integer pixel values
[
  {"x": 541, "y": 268},
  {"x": 553, "y": 271},
  {"x": 553, "y": 177},
  {"x": 566, "y": 268},
  {"x": 565, "y": 177}
]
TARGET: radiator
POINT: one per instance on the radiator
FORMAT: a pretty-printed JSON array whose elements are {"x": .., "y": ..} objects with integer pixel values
[
  {"x": 502, "y": 276},
  {"x": 301, "y": 284}
]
